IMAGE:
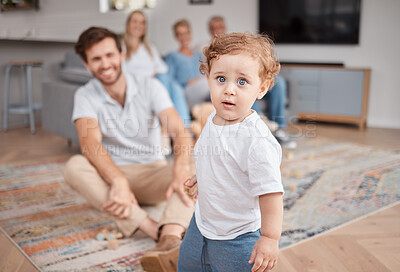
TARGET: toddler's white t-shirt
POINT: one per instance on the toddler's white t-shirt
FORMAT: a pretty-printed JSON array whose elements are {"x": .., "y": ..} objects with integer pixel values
[{"x": 234, "y": 165}]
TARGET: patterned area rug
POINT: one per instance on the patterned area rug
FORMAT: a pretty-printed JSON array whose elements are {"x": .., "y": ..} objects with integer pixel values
[
  {"x": 327, "y": 184},
  {"x": 56, "y": 227}
]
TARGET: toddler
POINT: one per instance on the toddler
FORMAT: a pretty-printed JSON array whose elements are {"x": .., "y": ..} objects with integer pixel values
[{"x": 238, "y": 216}]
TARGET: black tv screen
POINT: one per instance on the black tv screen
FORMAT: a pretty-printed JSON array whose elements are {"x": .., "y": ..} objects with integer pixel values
[{"x": 310, "y": 21}]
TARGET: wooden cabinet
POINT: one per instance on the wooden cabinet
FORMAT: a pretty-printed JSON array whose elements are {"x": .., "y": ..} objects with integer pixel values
[{"x": 324, "y": 93}]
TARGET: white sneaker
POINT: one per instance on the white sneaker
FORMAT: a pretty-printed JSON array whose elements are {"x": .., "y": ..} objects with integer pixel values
[
  {"x": 284, "y": 139},
  {"x": 272, "y": 125}
]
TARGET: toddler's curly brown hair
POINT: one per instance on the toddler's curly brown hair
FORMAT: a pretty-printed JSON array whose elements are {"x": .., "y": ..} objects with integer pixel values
[{"x": 258, "y": 46}]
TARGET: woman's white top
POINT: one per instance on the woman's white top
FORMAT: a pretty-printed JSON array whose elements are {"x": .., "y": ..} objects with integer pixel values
[{"x": 142, "y": 63}]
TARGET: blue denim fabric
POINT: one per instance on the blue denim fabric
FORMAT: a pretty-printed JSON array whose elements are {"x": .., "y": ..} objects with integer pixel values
[
  {"x": 198, "y": 253},
  {"x": 177, "y": 96},
  {"x": 276, "y": 102},
  {"x": 256, "y": 107}
]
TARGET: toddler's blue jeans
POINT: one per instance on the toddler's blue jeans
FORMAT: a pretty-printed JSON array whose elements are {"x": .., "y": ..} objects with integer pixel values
[{"x": 198, "y": 253}]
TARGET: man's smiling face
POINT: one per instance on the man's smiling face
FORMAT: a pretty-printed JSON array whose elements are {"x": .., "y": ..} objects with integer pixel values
[{"x": 104, "y": 61}]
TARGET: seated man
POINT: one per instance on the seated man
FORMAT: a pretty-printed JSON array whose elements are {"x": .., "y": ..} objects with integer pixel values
[{"x": 117, "y": 118}]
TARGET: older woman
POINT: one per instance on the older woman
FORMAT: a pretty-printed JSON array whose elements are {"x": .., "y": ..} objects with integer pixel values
[
  {"x": 184, "y": 66},
  {"x": 143, "y": 58}
]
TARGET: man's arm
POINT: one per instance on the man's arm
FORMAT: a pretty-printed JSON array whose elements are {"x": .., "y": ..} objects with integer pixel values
[
  {"x": 121, "y": 197},
  {"x": 173, "y": 124}
]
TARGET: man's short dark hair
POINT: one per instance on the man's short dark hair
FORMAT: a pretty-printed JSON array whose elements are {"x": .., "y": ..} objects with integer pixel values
[{"x": 91, "y": 36}]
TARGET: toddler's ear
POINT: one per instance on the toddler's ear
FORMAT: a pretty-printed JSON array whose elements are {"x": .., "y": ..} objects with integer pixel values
[{"x": 263, "y": 89}]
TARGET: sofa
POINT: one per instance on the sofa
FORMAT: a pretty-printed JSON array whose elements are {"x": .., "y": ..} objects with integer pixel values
[{"x": 58, "y": 97}]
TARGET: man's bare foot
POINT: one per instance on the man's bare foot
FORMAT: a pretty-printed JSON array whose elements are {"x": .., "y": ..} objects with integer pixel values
[
  {"x": 172, "y": 229},
  {"x": 150, "y": 227}
]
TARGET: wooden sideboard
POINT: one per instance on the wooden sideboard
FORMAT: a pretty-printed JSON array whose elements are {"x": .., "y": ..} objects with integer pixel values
[{"x": 328, "y": 93}]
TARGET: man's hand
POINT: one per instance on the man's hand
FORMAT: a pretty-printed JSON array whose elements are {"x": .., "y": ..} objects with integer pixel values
[
  {"x": 180, "y": 176},
  {"x": 120, "y": 197},
  {"x": 120, "y": 200},
  {"x": 265, "y": 254}
]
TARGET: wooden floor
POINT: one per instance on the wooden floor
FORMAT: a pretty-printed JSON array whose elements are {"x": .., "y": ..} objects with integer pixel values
[
  {"x": 12, "y": 259},
  {"x": 368, "y": 244}
]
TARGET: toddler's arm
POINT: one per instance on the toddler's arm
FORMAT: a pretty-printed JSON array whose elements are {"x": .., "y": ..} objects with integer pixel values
[{"x": 266, "y": 250}]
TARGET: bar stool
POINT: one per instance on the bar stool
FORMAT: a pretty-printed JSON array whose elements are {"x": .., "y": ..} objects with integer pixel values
[{"x": 29, "y": 106}]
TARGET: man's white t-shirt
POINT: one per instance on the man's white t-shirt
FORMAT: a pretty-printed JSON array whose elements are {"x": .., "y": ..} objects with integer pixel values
[
  {"x": 235, "y": 164},
  {"x": 130, "y": 133}
]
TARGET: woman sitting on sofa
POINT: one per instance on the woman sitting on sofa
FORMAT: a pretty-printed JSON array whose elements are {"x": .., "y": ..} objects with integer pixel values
[{"x": 143, "y": 58}]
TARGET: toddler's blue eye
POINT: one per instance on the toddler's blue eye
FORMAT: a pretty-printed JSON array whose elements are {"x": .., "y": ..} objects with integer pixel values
[
  {"x": 221, "y": 79},
  {"x": 242, "y": 81}
]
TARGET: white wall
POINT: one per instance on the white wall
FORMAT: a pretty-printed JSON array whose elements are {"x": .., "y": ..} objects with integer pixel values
[{"x": 59, "y": 20}]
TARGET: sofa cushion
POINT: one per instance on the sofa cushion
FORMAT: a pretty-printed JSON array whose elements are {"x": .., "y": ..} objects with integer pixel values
[
  {"x": 76, "y": 75},
  {"x": 73, "y": 60}
]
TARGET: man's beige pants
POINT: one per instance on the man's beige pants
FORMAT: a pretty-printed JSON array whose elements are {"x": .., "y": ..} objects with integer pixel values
[{"x": 148, "y": 182}]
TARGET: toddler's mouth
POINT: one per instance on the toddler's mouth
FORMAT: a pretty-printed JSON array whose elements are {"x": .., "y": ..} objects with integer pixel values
[{"x": 228, "y": 105}]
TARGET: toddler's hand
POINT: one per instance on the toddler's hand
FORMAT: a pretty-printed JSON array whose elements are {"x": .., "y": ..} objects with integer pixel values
[
  {"x": 265, "y": 254},
  {"x": 190, "y": 187}
]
